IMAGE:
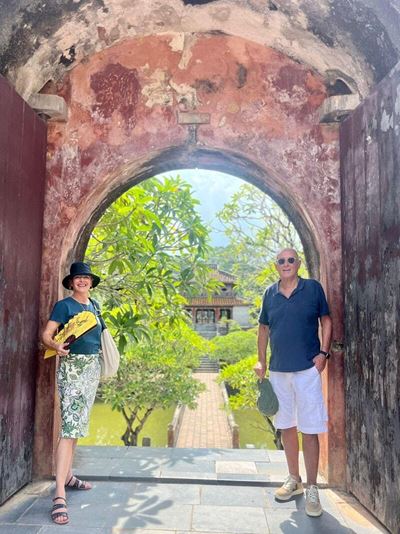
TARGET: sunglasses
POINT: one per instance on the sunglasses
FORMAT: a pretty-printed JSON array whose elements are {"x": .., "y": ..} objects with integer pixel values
[{"x": 282, "y": 261}]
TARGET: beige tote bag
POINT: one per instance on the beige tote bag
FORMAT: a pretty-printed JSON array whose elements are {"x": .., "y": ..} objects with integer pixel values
[{"x": 109, "y": 356}]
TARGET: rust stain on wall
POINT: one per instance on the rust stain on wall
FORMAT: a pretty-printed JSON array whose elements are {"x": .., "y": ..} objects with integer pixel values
[{"x": 116, "y": 89}]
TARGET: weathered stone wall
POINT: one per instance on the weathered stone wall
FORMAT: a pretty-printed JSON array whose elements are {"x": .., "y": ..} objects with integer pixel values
[
  {"x": 356, "y": 41},
  {"x": 125, "y": 124},
  {"x": 370, "y": 161}
]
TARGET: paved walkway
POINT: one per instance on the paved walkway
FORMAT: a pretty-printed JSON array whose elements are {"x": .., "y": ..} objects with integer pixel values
[
  {"x": 181, "y": 491},
  {"x": 206, "y": 425}
]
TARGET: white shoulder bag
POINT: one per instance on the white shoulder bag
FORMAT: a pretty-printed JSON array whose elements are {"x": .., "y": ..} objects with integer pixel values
[{"x": 109, "y": 356}]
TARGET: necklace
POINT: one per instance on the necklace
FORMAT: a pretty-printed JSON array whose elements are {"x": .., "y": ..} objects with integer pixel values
[{"x": 85, "y": 307}]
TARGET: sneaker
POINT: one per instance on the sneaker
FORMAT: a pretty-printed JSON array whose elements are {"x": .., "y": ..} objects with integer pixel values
[
  {"x": 290, "y": 487},
  {"x": 313, "y": 506}
]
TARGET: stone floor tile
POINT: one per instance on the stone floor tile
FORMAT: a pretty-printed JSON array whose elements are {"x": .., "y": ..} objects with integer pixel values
[
  {"x": 357, "y": 519},
  {"x": 241, "y": 467},
  {"x": 80, "y": 515},
  {"x": 155, "y": 514},
  {"x": 116, "y": 530},
  {"x": 15, "y": 507},
  {"x": 251, "y": 455},
  {"x": 273, "y": 468},
  {"x": 158, "y": 454},
  {"x": 180, "y": 493},
  {"x": 250, "y": 479},
  {"x": 138, "y": 467},
  {"x": 100, "y": 451},
  {"x": 237, "y": 519},
  {"x": 76, "y": 529},
  {"x": 297, "y": 502},
  {"x": 297, "y": 522},
  {"x": 232, "y": 496},
  {"x": 197, "y": 466},
  {"x": 101, "y": 467},
  {"x": 39, "y": 488},
  {"x": 19, "y": 529},
  {"x": 177, "y": 476}
]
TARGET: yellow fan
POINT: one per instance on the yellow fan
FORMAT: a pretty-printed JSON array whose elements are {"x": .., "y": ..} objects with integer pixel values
[{"x": 78, "y": 326}]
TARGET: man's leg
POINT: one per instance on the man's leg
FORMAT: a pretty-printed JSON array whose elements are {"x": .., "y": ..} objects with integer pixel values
[
  {"x": 311, "y": 421},
  {"x": 292, "y": 485},
  {"x": 311, "y": 457},
  {"x": 291, "y": 445},
  {"x": 286, "y": 420}
]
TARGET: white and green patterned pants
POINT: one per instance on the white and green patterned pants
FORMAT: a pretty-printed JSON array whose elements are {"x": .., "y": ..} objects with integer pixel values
[{"x": 78, "y": 378}]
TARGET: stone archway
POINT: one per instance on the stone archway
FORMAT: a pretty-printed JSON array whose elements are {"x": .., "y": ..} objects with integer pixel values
[
  {"x": 146, "y": 106},
  {"x": 191, "y": 157}
]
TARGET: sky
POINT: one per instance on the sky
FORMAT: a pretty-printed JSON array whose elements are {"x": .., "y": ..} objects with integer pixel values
[{"x": 212, "y": 189}]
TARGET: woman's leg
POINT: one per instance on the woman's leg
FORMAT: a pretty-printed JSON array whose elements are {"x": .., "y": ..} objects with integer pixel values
[
  {"x": 69, "y": 474},
  {"x": 63, "y": 461},
  {"x": 71, "y": 479},
  {"x": 64, "y": 456}
]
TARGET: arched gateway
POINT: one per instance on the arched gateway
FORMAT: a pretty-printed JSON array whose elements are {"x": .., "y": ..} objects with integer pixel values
[
  {"x": 232, "y": 85},
  {"x": 161, "y": 102}
]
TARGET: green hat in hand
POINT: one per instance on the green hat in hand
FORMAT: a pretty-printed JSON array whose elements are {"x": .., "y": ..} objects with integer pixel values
[{"x": 267, "y": 401}]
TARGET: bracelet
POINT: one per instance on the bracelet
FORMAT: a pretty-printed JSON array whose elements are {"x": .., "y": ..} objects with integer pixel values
[{"x": 326, "y": 354}]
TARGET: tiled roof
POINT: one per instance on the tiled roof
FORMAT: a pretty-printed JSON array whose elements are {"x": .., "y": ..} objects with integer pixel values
[
  {"x": 223, "y": 276},
  {"x": 217, "y": 301}
]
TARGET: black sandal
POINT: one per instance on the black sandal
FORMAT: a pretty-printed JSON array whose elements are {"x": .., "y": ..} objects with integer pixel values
[
  {"x": 55, "y": 515},
  {"x": 77, "y": 484}
]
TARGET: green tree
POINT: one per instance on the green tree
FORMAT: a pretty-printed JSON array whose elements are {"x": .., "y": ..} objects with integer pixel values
[
  {"x": 155, "y": 373},
  {"x": 257, "y": 229},
  {"x": 241, "y": 378},
  {"x": 150, "y": 248},
  {"x": 235, "y": 346}
]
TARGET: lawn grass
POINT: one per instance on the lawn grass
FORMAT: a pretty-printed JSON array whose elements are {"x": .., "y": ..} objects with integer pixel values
[
  {"x": 253, "y": 430},
  {"x": 107, "y": 426}
]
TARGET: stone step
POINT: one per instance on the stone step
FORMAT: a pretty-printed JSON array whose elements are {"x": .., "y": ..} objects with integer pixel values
[
  {"x": 207, "y": 365},
  {"x": 249, "y": 467}
]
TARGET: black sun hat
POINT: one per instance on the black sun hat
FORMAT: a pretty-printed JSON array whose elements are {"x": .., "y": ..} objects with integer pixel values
[{"x": 80, "y": 268}]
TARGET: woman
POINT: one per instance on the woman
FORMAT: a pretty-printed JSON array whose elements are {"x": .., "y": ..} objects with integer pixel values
[{"x": 78, "y": 377}]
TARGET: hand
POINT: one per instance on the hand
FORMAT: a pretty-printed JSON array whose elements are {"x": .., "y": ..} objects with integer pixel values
[
  {"x": 320, "y": 362},
  {"x": 259, "y": 369},
  {"x": 61, "y": 349}
]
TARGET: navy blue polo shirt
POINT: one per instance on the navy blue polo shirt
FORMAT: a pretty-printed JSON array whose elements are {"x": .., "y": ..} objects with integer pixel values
[
  {"x": 293, "y": 324},
  {"x": 64, "y": 310}
]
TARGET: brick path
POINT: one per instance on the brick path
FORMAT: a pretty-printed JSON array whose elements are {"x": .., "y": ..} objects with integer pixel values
[{"x": 207, "y": 425}]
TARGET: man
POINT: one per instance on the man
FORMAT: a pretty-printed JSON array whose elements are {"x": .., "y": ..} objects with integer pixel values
[{"x": 290, "y": 314}]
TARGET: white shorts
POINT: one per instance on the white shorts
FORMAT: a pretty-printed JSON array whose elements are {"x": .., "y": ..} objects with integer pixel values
[{"x": 301, "y": 402}]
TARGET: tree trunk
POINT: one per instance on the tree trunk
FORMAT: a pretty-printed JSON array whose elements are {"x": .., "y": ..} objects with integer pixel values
[
  {"x": 130, "y": 436},
  {"x": 276, "y": 433}
]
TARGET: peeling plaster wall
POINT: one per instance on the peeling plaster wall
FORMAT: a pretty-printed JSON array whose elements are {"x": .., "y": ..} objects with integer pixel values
[
  {"x": 123, "y": 127},
  {"x": 357, "y": 40},
  {"x": 370, "y": 161}
]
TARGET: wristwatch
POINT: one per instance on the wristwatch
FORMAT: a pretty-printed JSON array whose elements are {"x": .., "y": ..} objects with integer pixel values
[{"x": 326, "y": 354}]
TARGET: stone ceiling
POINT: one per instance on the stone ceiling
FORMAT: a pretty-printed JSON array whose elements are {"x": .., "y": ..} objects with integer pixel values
[{"x": 352, "y": 43}]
